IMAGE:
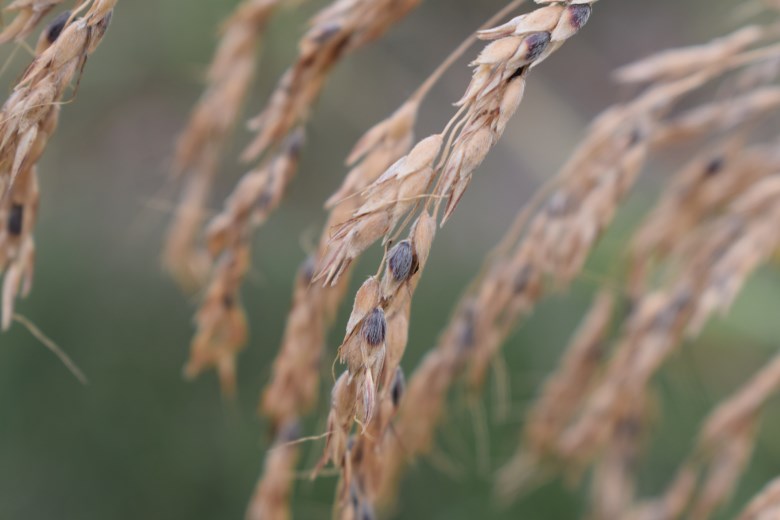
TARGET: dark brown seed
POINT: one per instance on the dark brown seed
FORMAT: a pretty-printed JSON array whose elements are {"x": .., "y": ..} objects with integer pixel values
[
  {"x": 714, "y": 166},
  {"x": 374, "y": 327},
  {"x": 579, "y": 15},
  {"x": 16, "y": 220},
  {"x": 536, "y": 43},
  {"x": 55, "y": 28},
  {"x": 398, "y": 387},
  {"x": 401, "y": 260}
]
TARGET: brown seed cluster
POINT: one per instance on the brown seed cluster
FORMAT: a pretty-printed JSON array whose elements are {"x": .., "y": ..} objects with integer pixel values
[
  {"x": 439, "y": 167},
  {"x": 27, "y": 121}
]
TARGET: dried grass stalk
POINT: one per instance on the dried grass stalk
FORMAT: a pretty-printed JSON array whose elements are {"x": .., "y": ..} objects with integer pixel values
[
  {"x": 376, "y": 338},
  {"x": 715, "y": 266},
  {"x": 221, "y": 323},
  {"x": 495, "y": 91},
  {"x": 677, "y": 63},
  {"x": 27, "y": 121},
  {"x": 201, "y": 143}
]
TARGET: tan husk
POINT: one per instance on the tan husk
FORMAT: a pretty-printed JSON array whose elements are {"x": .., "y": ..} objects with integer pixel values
[{"x": 27, "y": 121}]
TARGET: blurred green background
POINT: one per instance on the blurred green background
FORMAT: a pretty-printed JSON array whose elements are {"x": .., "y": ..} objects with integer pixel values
[{"x": 140, "y": 442}]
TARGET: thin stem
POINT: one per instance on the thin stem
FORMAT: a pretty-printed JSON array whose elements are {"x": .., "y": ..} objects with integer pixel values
[{"x": 51, "y": 345}]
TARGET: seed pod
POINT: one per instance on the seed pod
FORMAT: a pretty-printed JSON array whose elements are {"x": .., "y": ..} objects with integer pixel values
[
  {"x": 374, "y": 327},
  {"x": 573, "y": 19},
  {"x": 401, "y": 261},
  {"x": 398, "y": 387},
  {"x": 533, "y": 46},
  {"x": 16, "y": 220}
]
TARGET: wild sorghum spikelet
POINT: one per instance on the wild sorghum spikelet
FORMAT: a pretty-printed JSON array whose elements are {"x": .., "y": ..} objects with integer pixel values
[
  {"x": 221, "y": 323},
  {"x": 498, "y": 84},
  {"x": 387, "y": 201},
  {"x": 293, "y": 387},
  {"x": 27, "y": 121},
  {"x": 495, "y": 91},
  {"x": 200, "y": 145},
  {"x": 719, "y": 259}
]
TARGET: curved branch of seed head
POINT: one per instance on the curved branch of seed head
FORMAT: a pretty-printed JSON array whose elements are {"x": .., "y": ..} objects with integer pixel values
[
  {"x": 42, "y": 85},
  {"x": 201, "y": 143},
  {"x": 721, "y": 258},
  {"x": 375, "y": 339},
  {"x": 19, "y": 177},
  {"x": 507, "y": 289},
  {"x": 371, "y": 450},
  {"x": 338, "y": 30},
  {"x": 28, "y": 14},
  {"x": 491, "y": 99},
  {"x": 292, "y": 390},
  {"x": 220, "y": 321},
  {"x": 497, "y": 87}
]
